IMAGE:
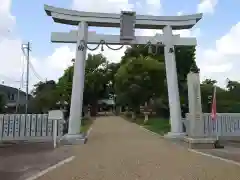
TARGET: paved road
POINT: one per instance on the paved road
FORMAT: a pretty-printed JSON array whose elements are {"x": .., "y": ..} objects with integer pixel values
[
  {"x": 20, "y": 161},
  {"x": 119, "y": 150}
]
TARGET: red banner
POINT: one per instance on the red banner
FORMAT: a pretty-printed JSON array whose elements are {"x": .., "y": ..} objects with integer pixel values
[{"x": 214, "y": 106}]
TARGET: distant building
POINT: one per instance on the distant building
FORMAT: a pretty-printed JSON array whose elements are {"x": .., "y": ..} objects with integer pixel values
[
  {"x": 108, "y": 102},
  {"x": 14, "y": 97},
  {"x": 105, "y": 104}
]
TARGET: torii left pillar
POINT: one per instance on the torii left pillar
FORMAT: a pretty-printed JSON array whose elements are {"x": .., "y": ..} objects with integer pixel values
[
  {"x": 77, "y": 87},
  {"x": 172, "y": 83}
]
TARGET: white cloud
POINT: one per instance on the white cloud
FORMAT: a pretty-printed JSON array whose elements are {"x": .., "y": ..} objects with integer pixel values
[
  {"x": 10, "y": 47},
  {"x": 222, "y": 61},
  {"x": 229, "y": 44},
  {"x": 53, "y": 66},
  {"x": 180, "y": 13},
  {"x": 207, "y": 6},
  {"x": 6, "y": 19}
]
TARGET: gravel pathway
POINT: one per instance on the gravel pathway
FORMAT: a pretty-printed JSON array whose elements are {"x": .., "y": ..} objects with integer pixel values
[{"x": 119, "y": 150}]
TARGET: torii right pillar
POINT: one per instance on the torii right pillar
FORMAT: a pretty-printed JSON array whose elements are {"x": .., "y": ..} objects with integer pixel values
[{"x": 172, "y": 83}]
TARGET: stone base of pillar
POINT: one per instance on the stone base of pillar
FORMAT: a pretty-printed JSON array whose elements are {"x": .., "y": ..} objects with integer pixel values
[
  {"x": 73, "y": 139},
  {"x": 172, "y": 135},
  {"x": 200, "y": 142}
]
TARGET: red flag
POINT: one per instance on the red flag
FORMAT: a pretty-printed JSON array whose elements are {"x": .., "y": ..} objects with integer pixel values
[{"x": 214, "y": 106}]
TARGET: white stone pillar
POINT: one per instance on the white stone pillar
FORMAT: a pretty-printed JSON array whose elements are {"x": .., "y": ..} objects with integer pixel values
[
  {"x": 195, "y": 119},
  {"x": 78, "y": 82},
  {"x": 172, "y": 83}
]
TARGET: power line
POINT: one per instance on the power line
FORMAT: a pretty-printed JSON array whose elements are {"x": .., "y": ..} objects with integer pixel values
[
  {"x": 33, "y": 69},
  {"x": 35, "y": 72}
]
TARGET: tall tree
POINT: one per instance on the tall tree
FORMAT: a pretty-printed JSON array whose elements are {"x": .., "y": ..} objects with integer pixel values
[
  {"x": 185, "y": 58},
  {"x": 45, "y": 96},
  {"x": 96, "y": 80},
  {"x": 138, "y": 80}
]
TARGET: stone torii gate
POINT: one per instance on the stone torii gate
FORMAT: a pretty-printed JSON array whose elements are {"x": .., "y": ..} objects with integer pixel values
[{"x": 82, "y": 37}]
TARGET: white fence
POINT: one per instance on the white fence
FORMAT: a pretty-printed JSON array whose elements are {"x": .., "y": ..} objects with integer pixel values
[
  {"x": 29, "y": 127},
  {"x": 226, "y": 125}
]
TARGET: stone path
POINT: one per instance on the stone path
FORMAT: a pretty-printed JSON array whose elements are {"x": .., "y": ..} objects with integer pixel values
[{"x": 119, "y": 150}]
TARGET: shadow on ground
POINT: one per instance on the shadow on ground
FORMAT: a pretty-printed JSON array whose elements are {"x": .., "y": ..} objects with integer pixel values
[{"x": 20, "y": 161}]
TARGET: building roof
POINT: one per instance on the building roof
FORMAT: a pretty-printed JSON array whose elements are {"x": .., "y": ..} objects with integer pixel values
[{"x": 9, "y": 89}]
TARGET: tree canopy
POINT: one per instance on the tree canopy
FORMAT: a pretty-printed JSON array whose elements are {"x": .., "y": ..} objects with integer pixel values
[{"x": 138, "y": 78}]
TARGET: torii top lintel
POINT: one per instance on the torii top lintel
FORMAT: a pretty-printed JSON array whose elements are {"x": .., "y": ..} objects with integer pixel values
[{"x": 71, "y": 17}]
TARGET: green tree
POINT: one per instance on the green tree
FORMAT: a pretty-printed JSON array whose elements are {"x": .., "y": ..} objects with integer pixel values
[
  {"x": 185, "y": 59},
  {"x": 97, "y": 78},
  {"x": 209, "y": 81},
  {"x": 227, "y": 99},
  {"x": 138, "y": 80},
  {"x": 45, "y": 96}
]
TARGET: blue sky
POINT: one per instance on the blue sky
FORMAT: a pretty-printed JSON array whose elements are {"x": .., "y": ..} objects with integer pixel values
[
  {"x": 30, "y": 23},
  {"x": 214, "y": 25}
]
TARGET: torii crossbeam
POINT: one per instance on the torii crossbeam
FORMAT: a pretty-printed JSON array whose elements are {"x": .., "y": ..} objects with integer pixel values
[
  {"x": 94, "y": 38},
  {"x": 167, "y": 39}
]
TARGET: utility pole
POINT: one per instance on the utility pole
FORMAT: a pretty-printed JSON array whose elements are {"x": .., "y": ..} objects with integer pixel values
[
  {"x": 27, "y": 47},
  {"x": 17, "y": 104}
]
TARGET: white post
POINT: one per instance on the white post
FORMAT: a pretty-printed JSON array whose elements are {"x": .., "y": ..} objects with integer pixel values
[
  {"x": 145, "y": 117},
  {"x": 55, "y": 121},
  {"x": 172, "y": 83},
  {"x": 55, "y": 116},
  {"x": 78, "y": 82}
]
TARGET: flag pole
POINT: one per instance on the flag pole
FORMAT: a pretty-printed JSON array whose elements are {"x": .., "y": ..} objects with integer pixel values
[
  {"x": 216, "y": 121},
  {"x": 214, "y": 112},
  {"x": 214, "y": 118}
]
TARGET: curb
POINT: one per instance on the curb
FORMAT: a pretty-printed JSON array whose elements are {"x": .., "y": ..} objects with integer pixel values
[
  {"x": 87, "y": 135},
  {"x": 151, "y": 132},
  {"x": 214, "y": 157},
  {"x": 41, "y": 173}
]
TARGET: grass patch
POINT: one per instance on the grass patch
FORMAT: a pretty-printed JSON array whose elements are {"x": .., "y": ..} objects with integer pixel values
[
  {"x": 86, "y": 123},
  {"x": 155, "y": 124},
  {"x": 158, "y": 125}
]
